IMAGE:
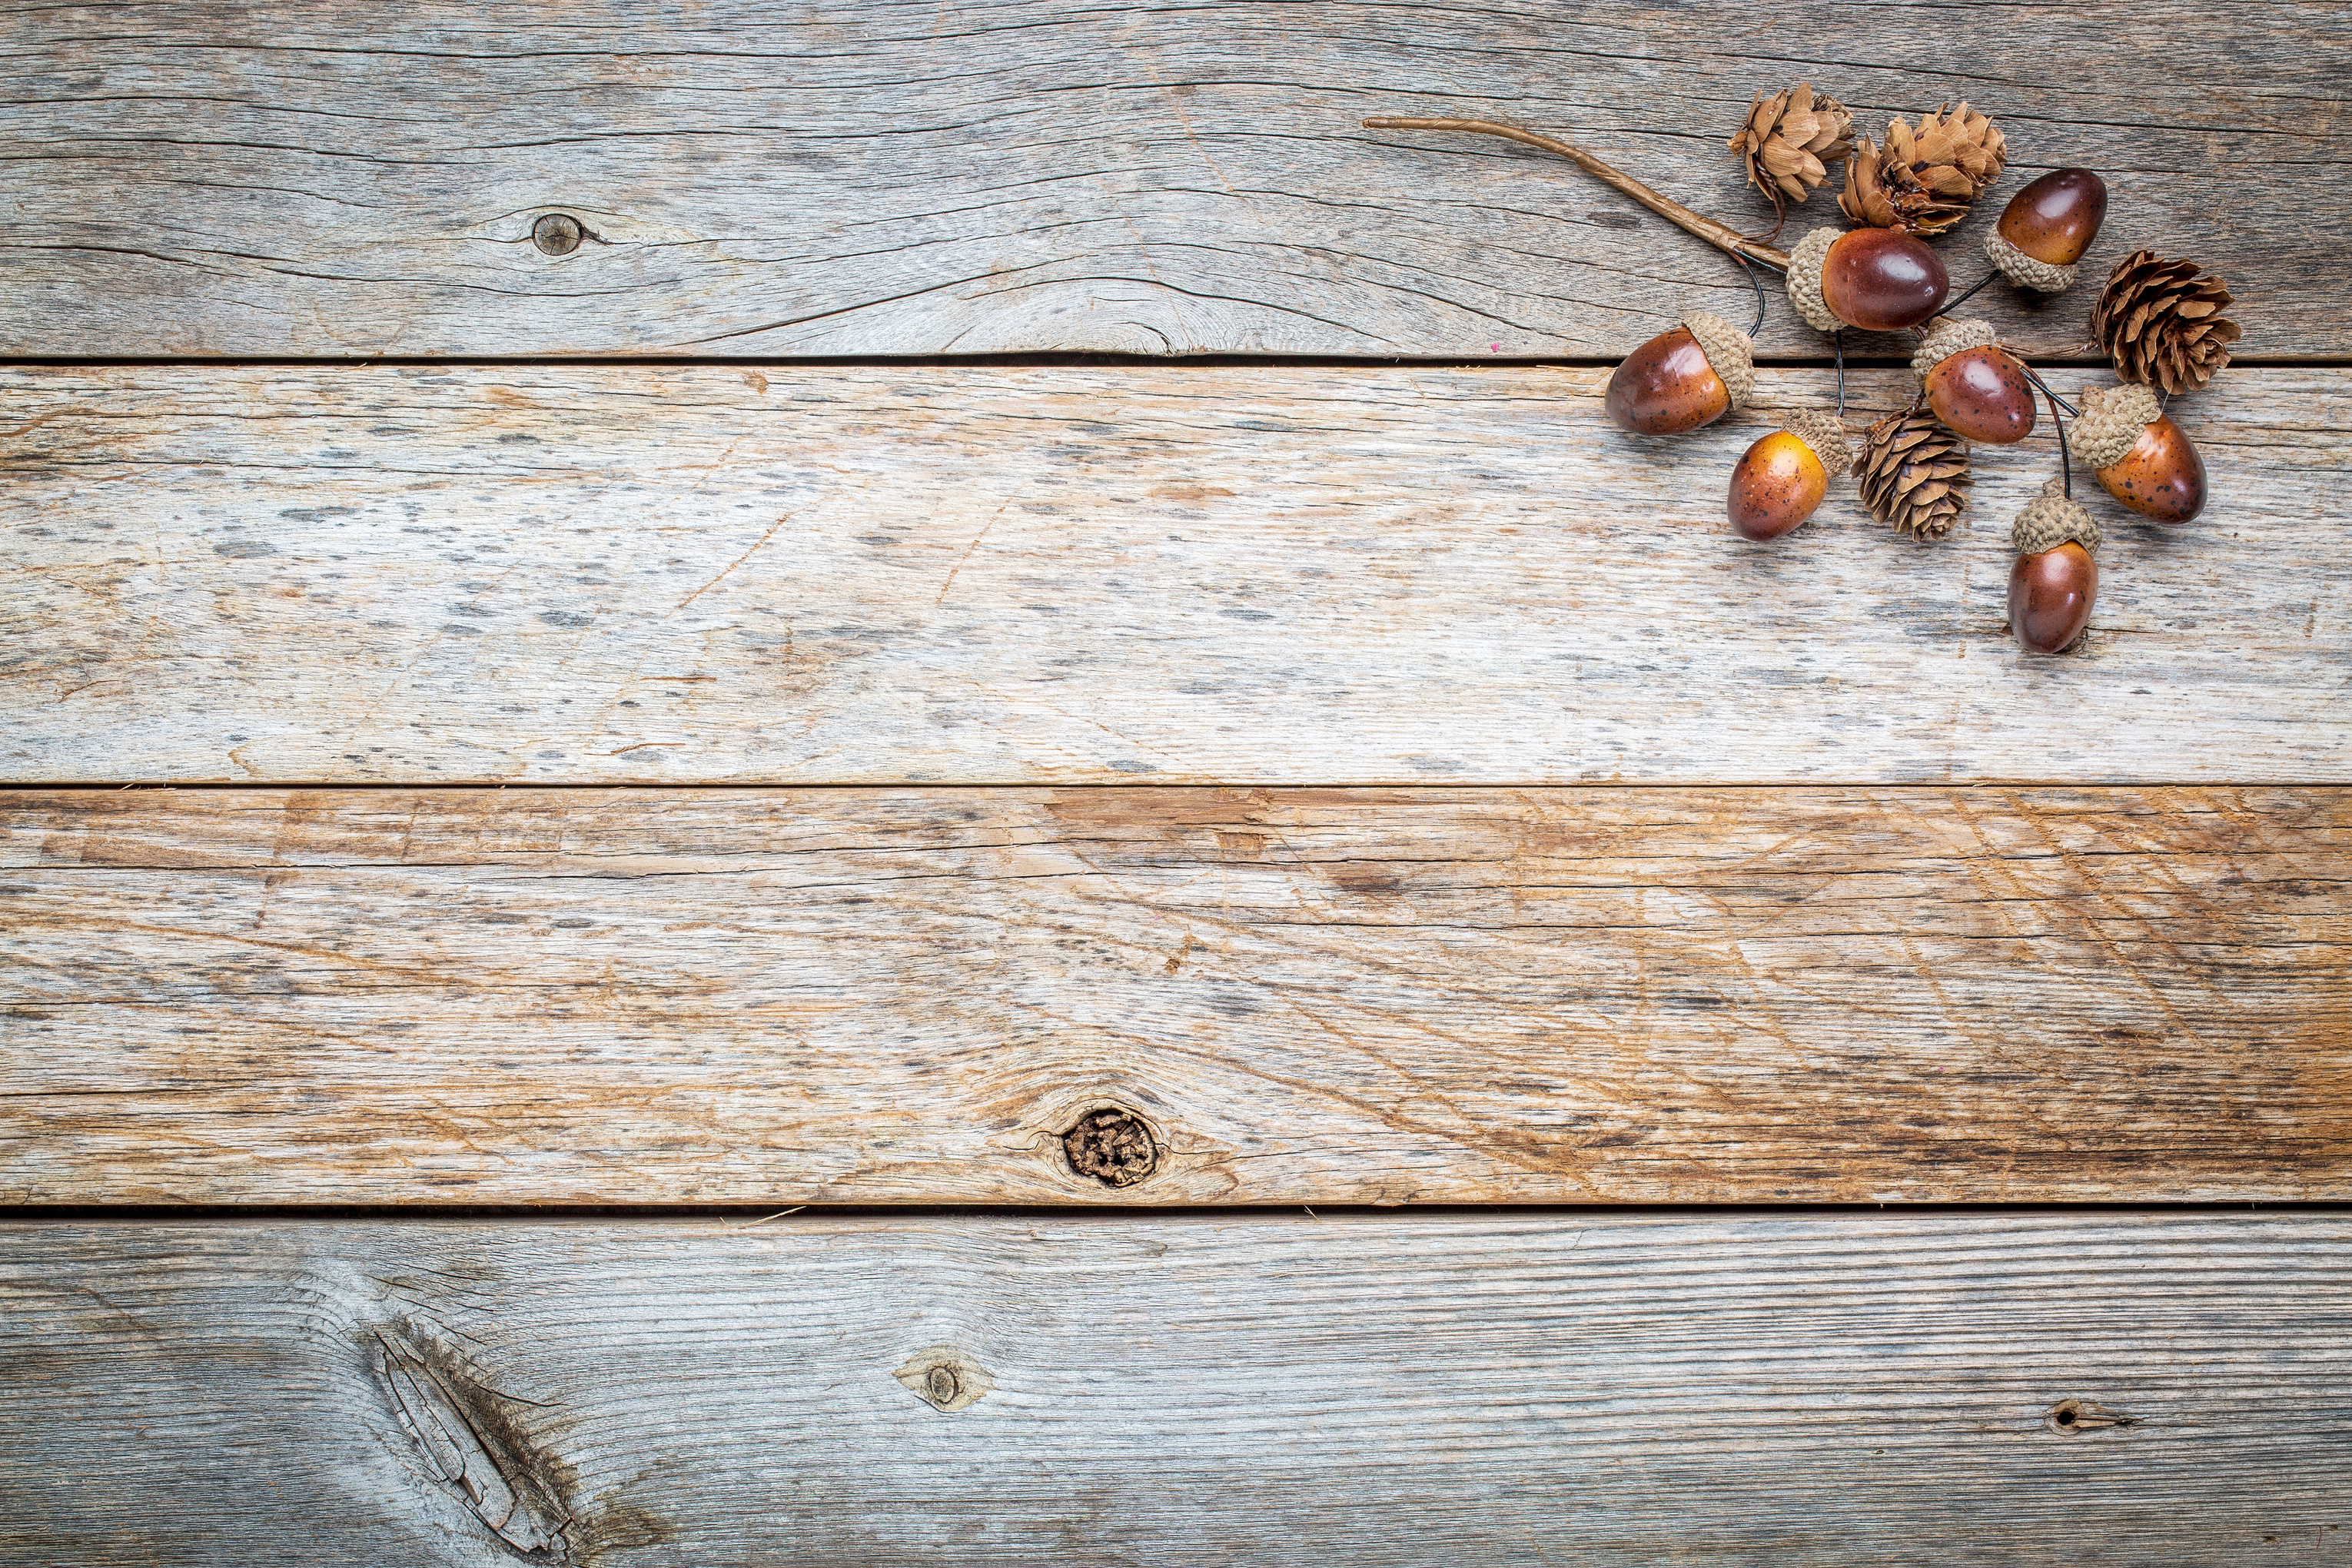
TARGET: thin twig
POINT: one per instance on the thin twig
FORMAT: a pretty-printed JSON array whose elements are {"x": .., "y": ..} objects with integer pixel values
[{"x": 1721, "y": 235}]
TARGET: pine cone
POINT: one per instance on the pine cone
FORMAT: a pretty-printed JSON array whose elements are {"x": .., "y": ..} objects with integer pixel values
[
  {"x": 1790, "y": 141},
  {"x": 1922, "y": 181},
  {"x": 1914, "y": 473},
  {"x": 2160, "y": 321}
]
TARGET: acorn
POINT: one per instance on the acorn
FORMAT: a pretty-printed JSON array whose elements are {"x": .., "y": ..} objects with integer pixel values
[
  {"x": 1783, "y": 478},
  {"x": 1681, "y": 380},
  {"x": 2142, "y": 458},
  {"x": 2055, "y": 580},
  {"x": 1974, "y": 387},
  {"x": 1880, "y": 279},
  {"x": 2047, "y": 227}
]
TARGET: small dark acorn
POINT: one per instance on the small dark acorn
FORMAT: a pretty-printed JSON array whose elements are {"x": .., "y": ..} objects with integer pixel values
[
  {"x": 1883, "y": 279},
  {"x": 2050, "y": 598},
  {"x": 1781, "y": 479},
  {"x": 2055, "y": 580},
  {"x": 1880, "y": 279},
  {"x": 2142, "y": 458},
  {"x": 1683, "y": 379},
  {"x": 1974, "y": 387},
  {"x": 2054, "y": 219}
]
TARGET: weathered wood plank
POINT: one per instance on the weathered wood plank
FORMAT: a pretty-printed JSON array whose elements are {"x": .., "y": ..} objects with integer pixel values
[
  {"x": 1189, "y": 574},
  {"x": 1584, "y": 1389},
  {"x": 1380, "y": 996},
  {"x": 890, "y": 177}
]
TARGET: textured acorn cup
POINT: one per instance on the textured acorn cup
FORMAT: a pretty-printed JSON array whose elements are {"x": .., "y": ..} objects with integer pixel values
[
  {"x": 2053, "y": 582},
  {"x": 2047, "y": 227},
  {"x": 1880, "y": 279},
  {"x": 2142, "y": 458},
  {"x": 1780, "y": 481},
  {"x": 1681, "y": 380},
  {"x": 1974, "y": 386}
]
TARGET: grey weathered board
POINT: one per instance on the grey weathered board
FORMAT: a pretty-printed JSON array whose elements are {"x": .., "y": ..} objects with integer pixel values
[
  {"x": 1312, "y": 997},
  {"x": 1571, "y": 1388},
  {"x": 326, "y": 178},
  {"x": 1174, "y": 574},
  {"x": 1892, "y": 913}
]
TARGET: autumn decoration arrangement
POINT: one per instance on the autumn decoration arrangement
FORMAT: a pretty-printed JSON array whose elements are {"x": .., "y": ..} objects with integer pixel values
[{"x": 2157, "y": 321}]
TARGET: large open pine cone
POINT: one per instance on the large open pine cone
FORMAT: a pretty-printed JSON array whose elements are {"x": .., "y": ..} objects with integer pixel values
[
  {"x": 1922, "y": 181},
  {"x": 2161, "y": 322},
  {"x": 1914, "y": 473},
  {"x": 1790, "y": 141}
]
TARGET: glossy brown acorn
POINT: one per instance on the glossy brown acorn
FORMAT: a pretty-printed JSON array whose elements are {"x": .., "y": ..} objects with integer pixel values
[
  {"x": 2050, "y": 598},
  {"x": 1778, "y": 484},
  {"x": 1882, "y": 279},
  {"x": 2161, "y": 476},
  {"x": 1666, "y": 386},
  {"x": 1982, "y": 392},
  {"x": 2056, "y": 217}
]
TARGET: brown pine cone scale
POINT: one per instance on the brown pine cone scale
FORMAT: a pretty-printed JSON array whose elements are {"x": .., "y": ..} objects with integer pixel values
[
  {"x": 1790, "y": 138},
  {"x": 1913, "y": 473},
  {"x": 2160, "y": 321}
]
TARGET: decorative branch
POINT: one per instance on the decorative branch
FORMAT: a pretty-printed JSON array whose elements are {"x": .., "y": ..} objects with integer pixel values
[{"x": 1721, "y": 235}]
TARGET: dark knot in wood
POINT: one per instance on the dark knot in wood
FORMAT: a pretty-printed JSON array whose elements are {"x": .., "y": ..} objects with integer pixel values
[
  {"x": 1113, "y": 1145},
  {"x": 557, "y": 234}
]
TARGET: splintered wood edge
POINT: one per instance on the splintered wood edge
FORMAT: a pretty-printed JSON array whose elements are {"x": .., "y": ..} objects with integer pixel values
[
  {"x": 1104, "y": 575},
  {"x": 1382, "y": 1390},
  {"x": 1379, "y": 996}
]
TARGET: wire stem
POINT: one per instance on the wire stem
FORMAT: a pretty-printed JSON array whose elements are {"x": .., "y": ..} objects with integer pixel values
[
  {"x": 1950, "y": 305},
  {"x": 1721, "y": 235},
  {"x": 2065, "y": 457},
  {"x": 1840, "y": 341},
  {"x": 2046, "y": 392}
]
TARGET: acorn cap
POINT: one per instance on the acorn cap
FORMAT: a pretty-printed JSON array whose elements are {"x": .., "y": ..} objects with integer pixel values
[
  {"x": 2111, "y": 423},
  {"x": 1946, "y": 337},
  {"x": 2024, "y": 270},
  {"x": 1825, "y": 433},
  {"x": 1728, "y": 354},
  {"x": 2050, "y": 519},
  {"x": 1805, "y": 279}
]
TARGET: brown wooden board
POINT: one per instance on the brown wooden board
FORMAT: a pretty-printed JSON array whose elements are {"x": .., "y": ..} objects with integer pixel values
[
  {"x": 1102, "y": 575},
  {"x": 1281, "y": 1390},
  {"x": 353, "y": 180},
  {"x": 1309, "y": 996}
]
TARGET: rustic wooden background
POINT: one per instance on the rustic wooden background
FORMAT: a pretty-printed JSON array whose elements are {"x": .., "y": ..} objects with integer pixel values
[{"x": 579, "y": 825}]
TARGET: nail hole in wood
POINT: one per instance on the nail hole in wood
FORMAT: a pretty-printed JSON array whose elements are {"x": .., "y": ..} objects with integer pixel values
[
  {"x": 2079, "y": 1415},
  {"x": 1113, "y": 1145},
  {"x": 557, "y": 234}
]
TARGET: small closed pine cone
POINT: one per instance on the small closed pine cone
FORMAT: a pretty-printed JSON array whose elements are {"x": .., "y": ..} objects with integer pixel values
[
  {"x": 1790, "y": 138},
  {"x": 1914, "y": 473},
  {"x": 1924, "y": 179},
  {"x": 2160, "y": 322}
]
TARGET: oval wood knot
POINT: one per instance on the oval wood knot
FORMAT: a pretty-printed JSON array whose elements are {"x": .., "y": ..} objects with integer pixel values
[
  {"x": 944, "y": 1378},
  {"x": 1113, "y": 1145}
]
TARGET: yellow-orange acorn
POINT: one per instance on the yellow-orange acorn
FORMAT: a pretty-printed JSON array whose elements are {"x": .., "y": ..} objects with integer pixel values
[{"x": 1781, "y": 479}]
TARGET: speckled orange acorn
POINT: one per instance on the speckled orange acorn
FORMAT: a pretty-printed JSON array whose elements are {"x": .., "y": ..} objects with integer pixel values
[
  {"x": 2054, "y": 582},
  {"x": 1974, "y": 386},
  {"x": 1681, "y": 380},
  {"x": 1880, "y": 279},
  {"x": 2142, "y": 458},
  {"x": 2047, "y": 227},
  {"x": 1781, "y": 479}
]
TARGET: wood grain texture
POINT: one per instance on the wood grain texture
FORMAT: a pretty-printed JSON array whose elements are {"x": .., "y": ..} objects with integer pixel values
[
  {"x": 1577, "y": 1389},
  {"x": 890, "y": 177},
  {"x": 1312, "y": 997},
  {"x": 1184, "y": 574}
]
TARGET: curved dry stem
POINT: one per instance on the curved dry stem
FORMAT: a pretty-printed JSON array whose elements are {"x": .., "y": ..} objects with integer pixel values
[{"x": 1721, "y": 235}]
